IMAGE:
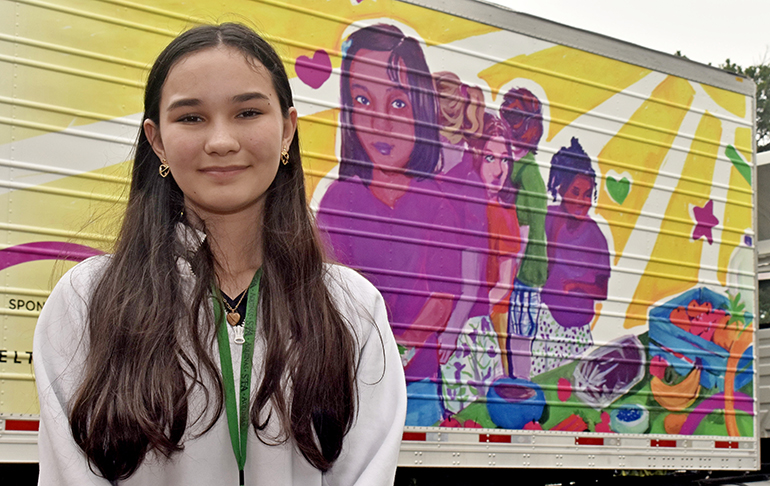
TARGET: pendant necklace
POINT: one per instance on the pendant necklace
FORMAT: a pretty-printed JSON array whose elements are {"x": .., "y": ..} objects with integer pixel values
[{"x": 234, "y": 317}]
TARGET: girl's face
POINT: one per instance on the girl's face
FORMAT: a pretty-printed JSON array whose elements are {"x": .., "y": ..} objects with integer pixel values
[
  {"x": 221, "y": 130},
  {"x": 576, "y": 199},
  {"x": 494, "y": 165},
  {"x": 382, "y": 111}
]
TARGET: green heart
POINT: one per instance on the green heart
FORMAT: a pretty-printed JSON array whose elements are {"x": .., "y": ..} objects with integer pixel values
[{"x": 618, "y": 189}]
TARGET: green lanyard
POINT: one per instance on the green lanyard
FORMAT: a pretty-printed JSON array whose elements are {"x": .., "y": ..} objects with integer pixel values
[{"x": 238, "y": 432}]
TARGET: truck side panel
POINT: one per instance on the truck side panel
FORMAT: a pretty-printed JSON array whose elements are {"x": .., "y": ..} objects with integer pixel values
[{"x": 564, "y": 236}]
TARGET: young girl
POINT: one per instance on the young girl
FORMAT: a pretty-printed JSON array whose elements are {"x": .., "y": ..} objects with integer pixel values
[
  {"x": 215, "y": 346},
  {"x": 386, "y": 215},
  {"x": 578, "y": 262},
  {"x": 523, "y": 112},
  {"x": 477, "y": 361},
  {"x": 493, "y": 164}
]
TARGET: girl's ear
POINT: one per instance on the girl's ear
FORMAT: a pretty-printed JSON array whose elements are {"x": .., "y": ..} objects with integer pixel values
[
  {"x": 289, "y": 127},
  {"x": 152, "y": 132}
]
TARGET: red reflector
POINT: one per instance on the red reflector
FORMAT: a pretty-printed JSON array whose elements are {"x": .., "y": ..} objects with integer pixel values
[
  {"x": 725, "y": 444},
  {"x": 414, "y": 436},
  {"x": 495, "y": 438},
  {"x": 26, "y": 425},
  {"x": 594, "y": 441},
  {"x": 662, "y": 443}
]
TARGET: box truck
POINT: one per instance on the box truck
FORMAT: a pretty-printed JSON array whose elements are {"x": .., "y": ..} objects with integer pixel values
[{"x": 562, "y": 224}]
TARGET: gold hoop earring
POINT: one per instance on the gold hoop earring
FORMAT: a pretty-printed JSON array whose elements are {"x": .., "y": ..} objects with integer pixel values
[
  {"x": 163, "y": 170},
  {"x": 284, "y": 156}
]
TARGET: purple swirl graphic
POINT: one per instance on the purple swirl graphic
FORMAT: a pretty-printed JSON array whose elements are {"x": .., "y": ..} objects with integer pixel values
[{"x": 45, "y": 250}]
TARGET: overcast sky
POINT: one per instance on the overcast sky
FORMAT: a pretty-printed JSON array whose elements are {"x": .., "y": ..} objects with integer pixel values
[{"x": 707, "y": 31}]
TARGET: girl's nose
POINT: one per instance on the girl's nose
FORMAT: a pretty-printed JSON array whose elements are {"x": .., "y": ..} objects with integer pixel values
[
  {"x": 220, "y": 140},
  {"x": 382, "y": 121},
  {"x": 498, "y": 167}
]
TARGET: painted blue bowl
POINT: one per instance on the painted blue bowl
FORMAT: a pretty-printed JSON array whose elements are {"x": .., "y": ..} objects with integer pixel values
[{"x": 513, "y": 402}]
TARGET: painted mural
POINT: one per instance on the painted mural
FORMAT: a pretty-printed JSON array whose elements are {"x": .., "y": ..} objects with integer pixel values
[
  {"x": 564, "y": 241},
  {"x": 492, "y": 246}
]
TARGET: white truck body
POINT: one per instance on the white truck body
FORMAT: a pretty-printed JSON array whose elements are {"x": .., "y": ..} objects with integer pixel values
[{"x": 671, "y": 221}]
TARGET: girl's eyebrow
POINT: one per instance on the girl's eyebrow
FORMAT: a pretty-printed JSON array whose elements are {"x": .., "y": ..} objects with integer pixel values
[
  {"x": 241, "y": 98},
  {"x": 184, "y": 102},
  {"x": 359, "y": 86}
]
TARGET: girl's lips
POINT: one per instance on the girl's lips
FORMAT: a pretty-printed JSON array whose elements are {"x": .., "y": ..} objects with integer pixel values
[
  {"x": 225, "y": 169},
  {"x": 382, "y": 147},
  {"x": 225, "y": 172}
]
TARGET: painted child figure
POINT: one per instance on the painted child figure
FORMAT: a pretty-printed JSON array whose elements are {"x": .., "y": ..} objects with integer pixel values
[
  {"x": 477, "y": 361},
  {"x": 522, "y": 111},
  {"x": 578, "y": 263}
]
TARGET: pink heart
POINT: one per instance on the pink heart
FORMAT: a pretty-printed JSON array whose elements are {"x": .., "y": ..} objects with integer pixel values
[{"x": 314, "y": 72}]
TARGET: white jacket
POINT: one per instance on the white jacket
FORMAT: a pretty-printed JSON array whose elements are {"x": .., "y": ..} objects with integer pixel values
[{"x": 370, "y": 449}]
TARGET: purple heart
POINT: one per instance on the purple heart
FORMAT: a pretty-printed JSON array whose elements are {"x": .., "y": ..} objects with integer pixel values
[{"x": 314, "y": 72}]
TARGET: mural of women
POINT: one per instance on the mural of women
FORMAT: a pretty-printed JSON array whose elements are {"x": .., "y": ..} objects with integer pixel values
[
  {"x": 385, "y": 215},
  {"x": 579, "y": 262},
  {"x": 523, "y": 112}
]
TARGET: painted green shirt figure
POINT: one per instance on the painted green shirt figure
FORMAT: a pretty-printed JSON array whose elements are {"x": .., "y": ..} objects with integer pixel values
[{"x": 531, "y": 209}]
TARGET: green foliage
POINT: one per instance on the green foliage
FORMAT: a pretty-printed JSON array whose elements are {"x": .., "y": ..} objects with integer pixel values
[
  {"x": 736, "y": 310},
  {"x": 760, "y": 73}
]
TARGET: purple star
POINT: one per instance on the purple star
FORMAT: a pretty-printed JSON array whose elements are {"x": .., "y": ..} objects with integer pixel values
[{"x": 705, "y": 219}]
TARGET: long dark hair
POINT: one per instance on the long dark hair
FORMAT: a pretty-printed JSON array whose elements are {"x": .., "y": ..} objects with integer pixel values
[
  {"x": 152, "y": 331},
  {"x": 422, "y": 94}
]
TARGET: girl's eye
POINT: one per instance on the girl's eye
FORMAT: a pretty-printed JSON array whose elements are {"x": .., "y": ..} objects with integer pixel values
[
  {"x": 490, "y": 158},
  {"x": 362, "y": 100},
  {"x": 398, "y": 104},
  {"x": 249, "y": 114},
  {"x": 189, "y": 119}
]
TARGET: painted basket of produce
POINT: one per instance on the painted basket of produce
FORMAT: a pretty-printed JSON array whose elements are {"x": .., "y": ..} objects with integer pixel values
[{"x": 695, "y": 333}]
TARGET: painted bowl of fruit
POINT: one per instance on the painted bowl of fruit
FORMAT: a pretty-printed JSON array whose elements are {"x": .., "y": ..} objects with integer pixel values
[
  {"x": 630, "y": 418},
  {"x": 699, "y": 325}
]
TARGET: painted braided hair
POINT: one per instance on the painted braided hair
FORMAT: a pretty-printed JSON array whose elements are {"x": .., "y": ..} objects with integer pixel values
[{"x": 568, "y": 163}]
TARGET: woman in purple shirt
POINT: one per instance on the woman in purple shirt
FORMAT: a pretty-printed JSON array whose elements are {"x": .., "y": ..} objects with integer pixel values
[
  {"x": 578, "y": 263},
  {"x": 385, "y": 215}
]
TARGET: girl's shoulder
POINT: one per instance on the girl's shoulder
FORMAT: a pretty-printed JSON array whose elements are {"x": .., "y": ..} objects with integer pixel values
[
  {"x": 345, "y": 283},
  {"x": 83, "y": 277},
  {"x": 60, "y": 333},
  {"x": 357, "y": 299}
]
